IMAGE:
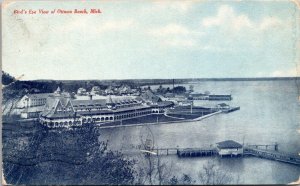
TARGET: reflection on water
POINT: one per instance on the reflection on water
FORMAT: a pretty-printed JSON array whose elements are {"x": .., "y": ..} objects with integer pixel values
[{"x": 270, "y": 112}]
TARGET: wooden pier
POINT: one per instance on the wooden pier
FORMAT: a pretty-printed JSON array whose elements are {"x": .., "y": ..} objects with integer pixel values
[
  {"x": 186, "y": 152},
  {"x": 232, "y": 109},
  {"x": 265, "y": 147},
  {"x": 272, "y": 155},
  {"x": 165, "y": 151},
  {"x": 269, "y": 151},
  {"x": 195, "y": 152}
]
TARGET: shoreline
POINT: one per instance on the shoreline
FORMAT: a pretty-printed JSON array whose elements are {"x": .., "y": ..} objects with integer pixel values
[
  {"x": 164, "y": 122},
  {"x": 100, "y": 125}
]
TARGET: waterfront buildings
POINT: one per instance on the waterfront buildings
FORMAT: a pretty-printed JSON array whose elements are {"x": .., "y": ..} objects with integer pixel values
[
  {"x": 65, "y": 112},
  {"x": 58, "y": 109}
]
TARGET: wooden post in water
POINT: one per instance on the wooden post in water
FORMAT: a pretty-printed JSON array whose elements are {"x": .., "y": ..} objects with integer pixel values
[{"x": 276, "y": 146}]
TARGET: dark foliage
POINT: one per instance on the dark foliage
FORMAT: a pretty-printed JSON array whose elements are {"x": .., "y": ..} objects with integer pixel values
[
  {"x": 179, "y": 90},
  {"x": 6, "y": 78},
  {"x": 20, "y": 88},
  {"x": 63, "y": 157}
]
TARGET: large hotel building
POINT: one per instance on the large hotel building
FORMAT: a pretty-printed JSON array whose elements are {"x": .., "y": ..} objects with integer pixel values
[{"x": 66, "y": 112}]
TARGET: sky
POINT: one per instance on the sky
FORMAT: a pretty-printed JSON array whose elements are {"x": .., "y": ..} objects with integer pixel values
[{"x": 152, "y": 39}]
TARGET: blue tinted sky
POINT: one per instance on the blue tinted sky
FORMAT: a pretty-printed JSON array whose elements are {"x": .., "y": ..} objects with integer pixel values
[{"x": 153, "y": 39}]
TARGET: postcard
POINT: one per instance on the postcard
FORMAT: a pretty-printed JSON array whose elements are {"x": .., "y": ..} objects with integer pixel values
[{"x": 148, "y": 92}]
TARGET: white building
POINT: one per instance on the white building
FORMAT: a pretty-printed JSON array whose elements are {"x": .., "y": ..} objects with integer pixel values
[
  {"x": 34, "y": 100},
  {"x": 64, "y": 112},
  {"x": 229, "y": 148},
  {"x": 59, "y": 112}
]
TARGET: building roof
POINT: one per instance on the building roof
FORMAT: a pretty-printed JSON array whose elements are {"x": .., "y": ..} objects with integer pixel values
[
  {"x": 150, "y": 96},
  {"x": 39, "y": 96},
  {"x": 33, "y": 109},
  {"x": 58, "y": 89},
  {"x": 60, "y": 115},
  {"x": 51, "y": 104},
  {"x": 54, "y": 101},
  {"x": 164, "y": 103},
  {"x": 98, "y": 102},
  {"x": 103, "y": 102},
  {"x": 213, "y": 95},
  {"x": 229, "y": 144},
  {"x": 95, "y": 112},
  {"x": 131, "y": 108},
  {"x": 197, "y": 94}
]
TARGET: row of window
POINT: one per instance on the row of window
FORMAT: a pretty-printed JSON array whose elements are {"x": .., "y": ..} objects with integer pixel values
[
  {"x": 117, "y": 117},
  {"x": 64, "y": 109},
  {"x": 100, "y": 118},
  {"x": 61, "y": 124}
]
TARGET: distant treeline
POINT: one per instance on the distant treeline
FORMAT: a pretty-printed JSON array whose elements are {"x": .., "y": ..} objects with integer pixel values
[
  {"x": 144, "y": 82},
  {"x": 130, "y": 82},
  {"x": 20, "y": 88},
  {"x": 245, "y": 79}
]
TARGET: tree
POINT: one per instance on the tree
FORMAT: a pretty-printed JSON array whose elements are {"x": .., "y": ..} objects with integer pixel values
[
  {"x": 186, "y": 179},
  {"x": 179, "y": 90},
  {"x": 67, "y": 157},
  {"x": 153, "y": 170},
  {"x": 6, "y": 78},
  {"x": 213, "y": 175},
  {"x": 173, "y": 180}
]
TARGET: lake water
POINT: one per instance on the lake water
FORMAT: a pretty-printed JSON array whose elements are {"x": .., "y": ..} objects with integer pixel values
[{"x": 270, "y": 112}]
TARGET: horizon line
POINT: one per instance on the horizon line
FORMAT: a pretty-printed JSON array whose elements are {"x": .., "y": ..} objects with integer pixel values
[{"x": 212, "y": 78}]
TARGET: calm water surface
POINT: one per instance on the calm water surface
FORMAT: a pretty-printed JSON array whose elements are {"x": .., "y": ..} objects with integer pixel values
[{"x": 270, "y": 112}]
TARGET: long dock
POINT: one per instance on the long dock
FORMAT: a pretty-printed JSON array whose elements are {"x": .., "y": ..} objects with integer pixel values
[
  {"x": 248, "y": 150},
  {"x": 272, "y": 155},
  {"x": 231, "y": 109},
  {"x": 186, "y": 152}
]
